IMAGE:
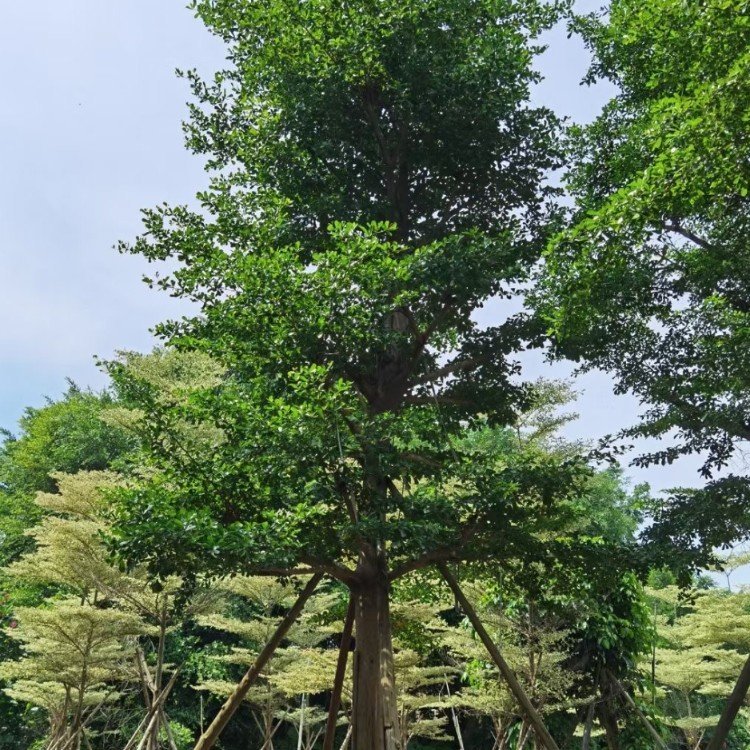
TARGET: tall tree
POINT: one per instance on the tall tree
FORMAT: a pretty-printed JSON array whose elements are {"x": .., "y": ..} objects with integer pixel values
[
  {"x": 651, "y": 281},
  {"x": 377, "y": 176}
]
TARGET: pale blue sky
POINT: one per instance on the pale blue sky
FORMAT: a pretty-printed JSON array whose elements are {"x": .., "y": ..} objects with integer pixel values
[{"x": 89, "y": 134}]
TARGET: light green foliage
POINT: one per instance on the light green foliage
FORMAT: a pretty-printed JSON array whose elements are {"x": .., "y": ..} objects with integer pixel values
[
  {"x": 536, "y": 650},
  {"x": 69, "y": 550},
  {"x": 75, "y": 655},
  {"x": 703, "y": 643},
  {"x": 421, "y": 712},
  {"x": 63, "y": 436},
  {"x": 297, "y": 671},
  {"x": 70, "y": 555}
]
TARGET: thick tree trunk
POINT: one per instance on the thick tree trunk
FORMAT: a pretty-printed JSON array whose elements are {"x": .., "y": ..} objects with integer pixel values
[
  {"x": 734, "y": 704},
  {"x": 374, "y": 711}
]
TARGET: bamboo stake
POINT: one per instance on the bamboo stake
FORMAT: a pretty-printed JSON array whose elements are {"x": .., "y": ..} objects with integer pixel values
[
  {"x": 515, "y": 686},
  {"x": 347, "y": 739},
  {"x": 338, "y": 682},
  {"x": 158, "y": 701},
  {"x": 149, "y": 730},
  {"x": 167, "y": 729},
  {"x": 211, "y": 735},
  {"x": 646, "y": 723}
]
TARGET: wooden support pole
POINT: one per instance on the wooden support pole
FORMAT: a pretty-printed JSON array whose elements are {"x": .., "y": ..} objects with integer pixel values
[
  {"x": 644, "y": 720},
  {"x": 155, "y": 706},
  {"x": 338, "y": 682},
  {"x": 733, "y": 705},
  {"x": 515, "y": 686},
  {"x": 211, "y": 735},
  {"x": 586, "y": 741}
]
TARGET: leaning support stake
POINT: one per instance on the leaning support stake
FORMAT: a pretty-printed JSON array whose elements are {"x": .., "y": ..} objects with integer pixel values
[
  {"x": 211, "y": 735},
  {"x": 644, "y": 720},
  {"x": 733, "y": 705},
  {"x": 338, "y": 682},
  {"x": 519, "y": 694}
]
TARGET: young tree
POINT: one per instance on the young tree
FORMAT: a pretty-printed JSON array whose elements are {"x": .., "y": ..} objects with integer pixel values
[
  {"x": 377, "y": 176},
  {"x": 70, "y": 555},
  {"x": 700, "y": 643},
  {"x": 296, "y": 672},
  {"x": 73, "y": 653},
  {"x": 538, "y": 650}
]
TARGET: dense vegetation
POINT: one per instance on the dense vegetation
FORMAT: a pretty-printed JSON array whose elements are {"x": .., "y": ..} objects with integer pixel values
[{"x": 333, "y": 480}]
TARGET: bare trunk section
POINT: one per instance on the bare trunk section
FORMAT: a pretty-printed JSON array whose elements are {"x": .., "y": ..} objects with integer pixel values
[{"x": 374, "y": 712}]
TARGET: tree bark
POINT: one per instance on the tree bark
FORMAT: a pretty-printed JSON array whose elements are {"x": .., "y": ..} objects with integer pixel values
[
  {"x": 530, "y": 713},
  {"x": 734, "y": 704},
  {"x": 211, "y": 735},
  {"x": 374, "y": 712}
]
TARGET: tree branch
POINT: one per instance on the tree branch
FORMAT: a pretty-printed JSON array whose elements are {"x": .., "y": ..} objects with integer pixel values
[
  {"x": 331, "y": 568},
  {"x": 677, "y": 228},
  {"x": 452, "y": 367}
]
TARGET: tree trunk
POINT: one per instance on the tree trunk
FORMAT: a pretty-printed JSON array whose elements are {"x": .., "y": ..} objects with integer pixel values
[
  {"x": 734, "y": 704},
  {"x": 374, "y": 712}
]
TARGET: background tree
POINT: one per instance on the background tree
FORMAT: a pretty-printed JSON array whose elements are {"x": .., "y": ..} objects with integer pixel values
[
  {"x": 301, "y": 669},
  {"x": 62, "y": 436},
  {"x": 651, "y": 280},
  {"x": 73, "y": 654},
  {"x": 69, "y": 556}
]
